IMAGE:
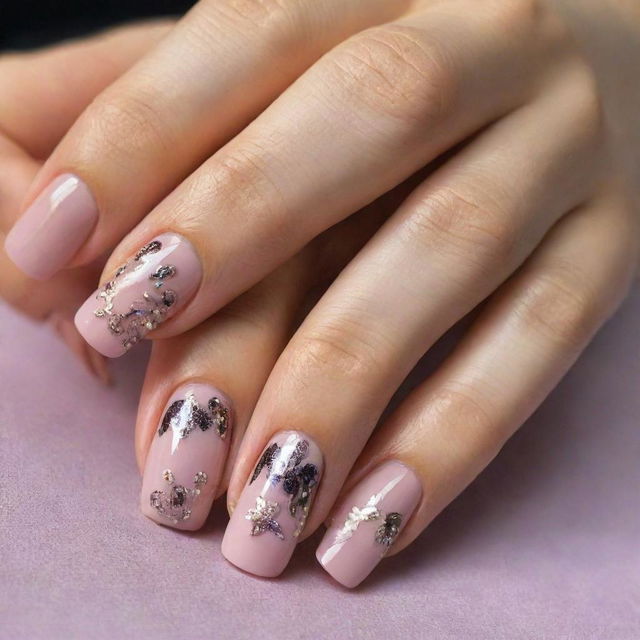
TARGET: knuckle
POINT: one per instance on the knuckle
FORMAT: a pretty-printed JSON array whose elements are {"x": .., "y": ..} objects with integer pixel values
[
  {"x": 454, "y": 224},
  {"x": 396, "y": 71},
  {"x": 244, "y": 181},
  {"x": 472, "y": 422},
  {"x": 561, "y": 306},
  {"x": 257, "y": 14},
  {"x": 589, "y": 111},
  {"x": 350, "y": 352},
  {"x": 130, "y": 121}
]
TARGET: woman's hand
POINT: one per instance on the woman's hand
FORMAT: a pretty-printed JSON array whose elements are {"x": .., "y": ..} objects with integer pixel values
[
  {"x": 43, "y": 92},
  {"x": 534, "y": 205}
]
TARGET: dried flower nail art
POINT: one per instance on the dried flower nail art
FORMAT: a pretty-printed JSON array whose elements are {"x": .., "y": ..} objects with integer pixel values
[
  {"x": 188, "y": 453},
  {"x": 273, "y": 508},
  {"x": 141, "y": 295},
  {"x": 368, "y": 522}
]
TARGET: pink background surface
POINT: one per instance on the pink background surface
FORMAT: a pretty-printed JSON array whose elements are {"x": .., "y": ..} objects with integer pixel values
[{"x": 545, "y": 544}]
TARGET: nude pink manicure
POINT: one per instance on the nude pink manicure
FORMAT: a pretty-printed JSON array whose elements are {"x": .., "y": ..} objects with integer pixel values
[
  {"x": 187, "y": 456},
  {"x": 50, "y": 232},
  {"x": 144, "y": 292},
  {"x": 273, "y": 508},
  {"x": 368, "y": 521}
]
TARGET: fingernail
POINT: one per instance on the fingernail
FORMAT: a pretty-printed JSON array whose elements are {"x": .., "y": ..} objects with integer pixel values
[
  {"x": 50, "y": 232},
  {"x": 368, "y": 521},
  {"x": 187, "y": 456},
  {"x": 273, "y": 508},
  {"x": 144, "y": 292}
]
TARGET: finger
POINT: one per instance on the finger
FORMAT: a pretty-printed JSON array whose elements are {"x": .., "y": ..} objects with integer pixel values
[
  {"x": 451, "y": 243},
  {"x": 372, "y": 112},
  {"x": 449, "y": 428},
  {"x": 44, "y": 91},
  {"x": 217, "y": 69},
  {"x": 199, "y": 392},
  {"x": 209, "y": 379}
]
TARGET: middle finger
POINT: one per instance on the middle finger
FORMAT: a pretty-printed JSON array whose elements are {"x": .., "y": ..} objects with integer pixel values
[{"x": 360, "y": 121}]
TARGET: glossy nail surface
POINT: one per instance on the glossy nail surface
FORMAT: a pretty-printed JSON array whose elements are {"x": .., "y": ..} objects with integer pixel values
[
  {"x": 273, "y": 508},
  {"x": 187, "y": 457},
  {"x": 50, "y": 232},
  {"x": 368, "y": 521},
  {"x": 144, "y": 292}
]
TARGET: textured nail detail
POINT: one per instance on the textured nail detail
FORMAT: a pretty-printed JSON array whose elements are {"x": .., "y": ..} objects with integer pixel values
[
  {"x": 143, "y": 293},
  {"x": 187, "y": 456},
  {"x": 275, "y": 503},
  {"x": 50, "y": 232},
  {"x": 368, "y": 521}
]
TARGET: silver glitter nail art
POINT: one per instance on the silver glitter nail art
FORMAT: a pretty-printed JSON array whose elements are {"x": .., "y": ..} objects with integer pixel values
[
  {"x": 296, "y": 479},
  {"x": 385, "y": 534},
  {"x": 186, "y": 415},
  {"x": 176, "y": 504},
  {"x": 263, "y": 518},
  {"x": 358, "y": 515},
  {"x": 145, "y": 314},
  {"x": 388, "y": 531}
]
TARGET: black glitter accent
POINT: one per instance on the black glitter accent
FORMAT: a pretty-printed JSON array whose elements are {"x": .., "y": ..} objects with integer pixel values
[
  {"x": 170, "y": 415},
  {"x": 152, "y": 247}
]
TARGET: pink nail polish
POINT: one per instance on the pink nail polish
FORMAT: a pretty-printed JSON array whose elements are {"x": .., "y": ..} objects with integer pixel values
[
  {"x": 144, "y": 292},
  {"x": 368, "y": 521},
  {"x": 273, "y": 508},
  {"x": 50, "y": 232},
  {"x": 187, "y": 456}
]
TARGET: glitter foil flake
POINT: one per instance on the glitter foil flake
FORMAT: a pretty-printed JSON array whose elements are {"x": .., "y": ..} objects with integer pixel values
[
  {"x": 176, "y": 503},
  {"x": 388, "y": 531},
  {"x": 262, "y": 518},
  {"x": 186, "y": 415},
  {"x": 296, "y": 479},
  {"x": 144, "y": 314},
  {"x": 357, "y": 516}
]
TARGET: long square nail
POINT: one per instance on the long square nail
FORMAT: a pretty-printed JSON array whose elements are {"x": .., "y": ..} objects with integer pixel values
[
  {"x": 50, "y": 232},
  {"x": 143, "y": 293},
  {"x": 368, "y": 521},
  {"x": 274, "y": 505},
  {"x": 187, "y": 457}
]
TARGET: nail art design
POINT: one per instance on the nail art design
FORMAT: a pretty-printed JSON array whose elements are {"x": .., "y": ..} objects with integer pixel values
[
  {"x": 276, "y": 502},
  {"x": 297, "y": 479},
  {"x": 144, "y": 314},
  {"x": 263, "y": 518},
  {"x": 190, "y": 458},
  {"x": 389, "y": 529},
  {"x": 177, "y": 504},
  {"x": 186, "y": 414},
  {"x": 360, "y": 536},
  {"x": 143, "y": 293},
  {"x": 356, "y": 516}
]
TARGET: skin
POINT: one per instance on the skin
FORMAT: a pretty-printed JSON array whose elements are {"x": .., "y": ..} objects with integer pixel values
[{"x": 534, "y": 208}]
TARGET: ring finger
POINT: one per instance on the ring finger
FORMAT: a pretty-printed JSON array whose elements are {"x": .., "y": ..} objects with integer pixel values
[{"x": 457, "y": 237}]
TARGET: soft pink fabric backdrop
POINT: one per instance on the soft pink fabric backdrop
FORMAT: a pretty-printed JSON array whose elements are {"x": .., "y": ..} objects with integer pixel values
[{"x": 546, "y": 544}]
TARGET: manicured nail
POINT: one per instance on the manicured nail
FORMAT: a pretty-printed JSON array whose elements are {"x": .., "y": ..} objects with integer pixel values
[
  {"x": 143, "y": 293},
  {"x": 187, "y": 456},
  {"x": 368, "y": 521},
  {"x": 273, "y": 508},
  {"x": 50, "y": 232}
]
